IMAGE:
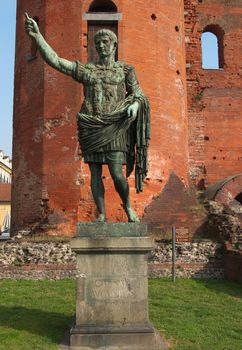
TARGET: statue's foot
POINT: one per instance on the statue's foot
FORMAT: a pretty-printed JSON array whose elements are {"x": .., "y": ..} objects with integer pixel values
[
  {"x": 101, "y": 218},
  {"x": 132, "y": 217}
]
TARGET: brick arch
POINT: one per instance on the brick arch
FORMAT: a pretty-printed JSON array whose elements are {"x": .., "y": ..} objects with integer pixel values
[
  {"x": 215, "y": 29},
  {"x": 225, "y": 191},
  {"x": 219, "y": 33},
  {"x": 99, "y": 14},
  {"x": 103, "y": 6},
  {"x": 88, "y": 3}
]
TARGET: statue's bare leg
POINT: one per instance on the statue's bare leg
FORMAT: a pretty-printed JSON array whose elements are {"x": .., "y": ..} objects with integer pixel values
[
  {"x": 98, "y": 190},
  {"x": 122, "y": 187}
]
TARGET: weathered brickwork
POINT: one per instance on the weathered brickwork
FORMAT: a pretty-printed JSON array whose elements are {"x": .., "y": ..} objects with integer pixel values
[
  {"x": 195, "y": 114},
  {"x": 51, "y": 185},
  {"x": 214, "y": 96},
  {"x": 193, "y": 259},
  {"x": 175, "y": 206},
  {"x": 54, "y": 260},
  {"x": 45, "y": 184},
  {"x": 233, "y": 265}
]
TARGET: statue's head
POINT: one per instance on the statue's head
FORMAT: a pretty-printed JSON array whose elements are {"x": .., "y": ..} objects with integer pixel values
[{"x": 105, "y": 42}]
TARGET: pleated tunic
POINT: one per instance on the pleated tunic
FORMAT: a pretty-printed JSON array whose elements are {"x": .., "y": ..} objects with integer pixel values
[{"x": 105, "y": 88}]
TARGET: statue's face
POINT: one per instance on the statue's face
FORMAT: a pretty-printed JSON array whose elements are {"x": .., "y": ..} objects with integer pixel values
[{"x": 105, "y": 46}]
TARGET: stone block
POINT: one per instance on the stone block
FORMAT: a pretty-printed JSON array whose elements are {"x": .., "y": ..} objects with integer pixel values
[{"x": 112, "y": 288}]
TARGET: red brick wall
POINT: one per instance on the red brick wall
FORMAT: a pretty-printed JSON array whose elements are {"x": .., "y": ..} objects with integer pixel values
[
  {"x": 51, "y": 186},
  {"x": 27, "y": 154},
  {"x": 175, "y": 206},
  {"x": 229, "y": 190},
  {"x": 214, "y": 96},
  {"x": 233, "y": 265},
  {"x": 45, "y": 168}
]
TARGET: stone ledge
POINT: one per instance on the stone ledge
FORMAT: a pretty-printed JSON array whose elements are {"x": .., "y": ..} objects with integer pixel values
[
  {"x": 135, "y": 341},
  {"x": 102, "y": 16},
  {"x": 112, "y": 244},
  {"x": 92, "y": 329},
  {"x": 116, "y": 229}
]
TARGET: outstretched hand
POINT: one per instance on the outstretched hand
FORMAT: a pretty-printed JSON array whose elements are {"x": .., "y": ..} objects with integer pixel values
[
  {"x": 132, "y": 110},
  {"x": 31, "y": 26}
]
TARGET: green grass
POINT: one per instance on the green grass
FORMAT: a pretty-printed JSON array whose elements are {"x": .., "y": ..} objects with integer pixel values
[
  {"x": 35, "y": 314},
  {"x": 190, "y": 314},
  {"x": 197, "y": 314}
]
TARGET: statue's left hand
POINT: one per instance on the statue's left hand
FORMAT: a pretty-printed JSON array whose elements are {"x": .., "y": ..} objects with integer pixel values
[{"x": 133, "y": 109}]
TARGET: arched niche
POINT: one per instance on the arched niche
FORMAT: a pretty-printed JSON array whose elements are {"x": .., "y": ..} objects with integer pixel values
[
  {"x": 227, "y": 191},
  {"x": 101, "y": 14},
  {"x": 102, "y": 6},
  {"x": 212, "y": 47}
]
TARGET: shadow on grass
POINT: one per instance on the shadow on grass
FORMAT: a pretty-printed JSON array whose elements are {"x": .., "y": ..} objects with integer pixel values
[
  {"x": 222, "y": 287},
  {"x": 39, "y": 322}
]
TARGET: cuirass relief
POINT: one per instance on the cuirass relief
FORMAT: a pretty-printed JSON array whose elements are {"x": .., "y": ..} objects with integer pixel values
[{"x": 104, "y": 88}]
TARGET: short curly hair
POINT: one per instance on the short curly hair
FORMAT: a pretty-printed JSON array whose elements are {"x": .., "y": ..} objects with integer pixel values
[{"x": 107, "y": 32}]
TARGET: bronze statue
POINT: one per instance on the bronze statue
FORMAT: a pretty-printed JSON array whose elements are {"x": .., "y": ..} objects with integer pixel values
[{"x": 113, "y": 123}]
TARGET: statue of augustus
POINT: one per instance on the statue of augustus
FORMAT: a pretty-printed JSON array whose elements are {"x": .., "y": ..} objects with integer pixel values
[{"x": 113, "y": 123}]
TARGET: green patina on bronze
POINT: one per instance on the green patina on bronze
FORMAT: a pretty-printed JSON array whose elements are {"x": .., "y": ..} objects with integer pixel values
[
  {"x": 103, "y": 125},
  {"x": 115, "y": 229},
  {"x": 114, "y": 120}
]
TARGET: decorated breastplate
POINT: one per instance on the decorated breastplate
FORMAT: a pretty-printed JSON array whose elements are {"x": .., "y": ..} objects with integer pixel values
[{"x": 104, "y": 88}]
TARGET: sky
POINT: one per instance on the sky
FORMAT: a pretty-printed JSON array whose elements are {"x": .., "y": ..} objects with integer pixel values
[
  {"x": 7, "y": 48},
  {"x": 7, "y": 52},
  {"x": 209, "y": 51}
]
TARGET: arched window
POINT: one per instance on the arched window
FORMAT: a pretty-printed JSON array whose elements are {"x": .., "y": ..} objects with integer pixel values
[
  {"x": 102, "y": 6},
  {"x": 212, "y": 47}
]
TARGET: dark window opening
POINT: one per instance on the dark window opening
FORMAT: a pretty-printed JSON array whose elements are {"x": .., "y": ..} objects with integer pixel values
[
  {"x": 238, "y": 198},
  {"x": 212, "y": 47},
  {"x": 102, "y": 6}
]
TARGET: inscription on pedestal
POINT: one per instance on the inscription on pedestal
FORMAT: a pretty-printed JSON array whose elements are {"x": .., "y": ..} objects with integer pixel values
[
  {"x": 112, "y": 288},
  {"x": 115, "y": 289}
]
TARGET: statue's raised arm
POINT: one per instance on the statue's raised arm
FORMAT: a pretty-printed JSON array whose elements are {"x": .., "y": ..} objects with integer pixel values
[
  {"x": 48, "y": 54},
  {"x": 113, "y": 123}
]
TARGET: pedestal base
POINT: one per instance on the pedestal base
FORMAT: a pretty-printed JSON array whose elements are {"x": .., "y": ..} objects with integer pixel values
[
  {"x": 112, "y": 288},
  {"x": 125, "y": 341}
]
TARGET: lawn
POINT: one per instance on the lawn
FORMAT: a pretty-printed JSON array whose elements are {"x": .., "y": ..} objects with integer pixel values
[
  {"x": 190, "y": 314},
  {"x": 197, "y": 314}
]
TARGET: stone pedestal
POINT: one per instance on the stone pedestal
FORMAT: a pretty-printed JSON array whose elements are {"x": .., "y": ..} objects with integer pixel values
[{"x": 112, "y": 288}]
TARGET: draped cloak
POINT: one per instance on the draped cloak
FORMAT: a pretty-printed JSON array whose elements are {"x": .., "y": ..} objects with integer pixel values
[{"x": 103, "y": 123}]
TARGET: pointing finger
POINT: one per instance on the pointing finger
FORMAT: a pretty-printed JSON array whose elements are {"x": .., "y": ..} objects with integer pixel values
[{"x": 27, "y": 16}]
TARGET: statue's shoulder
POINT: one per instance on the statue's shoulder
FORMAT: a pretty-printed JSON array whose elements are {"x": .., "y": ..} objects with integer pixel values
[
  {"x": 90, "y": 66},
  {"x": 84, "y": 67},
  {"x": 126, "y": 67}
]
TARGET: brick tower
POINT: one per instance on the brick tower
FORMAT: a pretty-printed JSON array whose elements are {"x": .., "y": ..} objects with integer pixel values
[{"x": 51, "y": 189}]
